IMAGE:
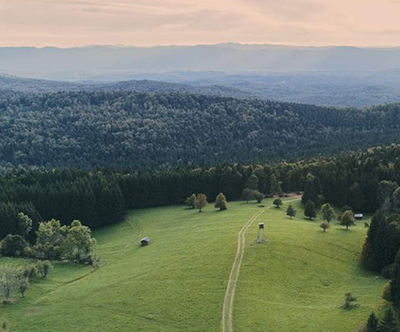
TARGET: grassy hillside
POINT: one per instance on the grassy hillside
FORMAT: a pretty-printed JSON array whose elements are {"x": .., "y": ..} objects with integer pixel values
[
  {"x": 178, "y": 282},
  {"x": 297, "y": 281}
]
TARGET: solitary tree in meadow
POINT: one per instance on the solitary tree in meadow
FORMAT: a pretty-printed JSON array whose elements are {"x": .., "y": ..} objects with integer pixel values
[
  {"x": 309, "y": 210},
  {"x": 247, "y": 194},
  {"x": 220, "y": 202},
  {"x": 277, "y": 203},
  {"x": 201, "y": 201},
  {"x": 258, "y": 196},
  {"x": 328, "y": 213},
  {"x": 324, "y": 225},
  {"x": 291, "y": 212},
  {"x": 347, "y": 219},
  {"x": 190, "y": 201}
]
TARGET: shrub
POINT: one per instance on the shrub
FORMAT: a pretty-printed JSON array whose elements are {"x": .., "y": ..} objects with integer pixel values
[
  {"x": 324, "y": 225},
  {"x": 348, "y": 301},
  {"x": 30, "y": 271},
  {"x": 44, "y": 268}
]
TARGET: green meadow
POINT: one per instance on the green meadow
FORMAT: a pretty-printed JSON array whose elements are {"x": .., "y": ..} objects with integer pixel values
[{"x": 294, "y": 282}]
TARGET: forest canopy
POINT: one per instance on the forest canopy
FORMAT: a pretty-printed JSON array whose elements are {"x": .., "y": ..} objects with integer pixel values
[{"x": 162, "y": 130}]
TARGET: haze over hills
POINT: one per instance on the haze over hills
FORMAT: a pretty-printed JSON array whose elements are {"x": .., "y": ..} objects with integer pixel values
[
  {"x": 334, "y": 76},
  {"x": 93, "y": 61},
  {"x": 28, "y": 85}
]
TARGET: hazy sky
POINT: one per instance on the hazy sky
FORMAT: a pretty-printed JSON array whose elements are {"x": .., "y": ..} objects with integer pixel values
[{"x": 66, "y": 23}]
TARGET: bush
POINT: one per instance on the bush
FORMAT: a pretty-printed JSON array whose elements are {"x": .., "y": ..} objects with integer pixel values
[
  {"x": 13, "y": 245},
  {"x": 44, "y": 268},
  {"x": 324, "y": 225},
  {"x": 30, "y": 271}
]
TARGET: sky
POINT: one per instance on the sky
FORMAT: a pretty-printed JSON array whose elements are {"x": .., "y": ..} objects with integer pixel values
[{"x": 68, "y": 23}]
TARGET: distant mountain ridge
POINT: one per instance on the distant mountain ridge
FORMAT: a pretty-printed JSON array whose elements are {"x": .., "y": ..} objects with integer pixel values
[
  {"x": 90, "y": 62},
  {"x": 27, "y": 85}
]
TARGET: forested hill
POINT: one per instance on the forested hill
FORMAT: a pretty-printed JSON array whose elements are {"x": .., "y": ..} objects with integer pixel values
[
  {"x": 12, "y": 84},
  {"x": 141, "y": 130}
]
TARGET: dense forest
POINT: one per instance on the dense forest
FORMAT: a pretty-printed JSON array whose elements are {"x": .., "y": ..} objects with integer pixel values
[
  {"x": 163, "y": 130},
  {"x": 100, "y": 197}
]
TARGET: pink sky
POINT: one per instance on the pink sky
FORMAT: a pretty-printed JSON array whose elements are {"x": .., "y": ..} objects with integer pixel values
[{"x": 66, "y": 23}]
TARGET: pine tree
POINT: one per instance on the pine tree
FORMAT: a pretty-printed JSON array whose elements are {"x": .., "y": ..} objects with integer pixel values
[
  {"x": 291, "y": 212},
  {"x": 309, "y": 210},
  {"x": 220, "y": 202},
  {"x": 372, "y": 323},
  {"x": 275, "y": 185},
  {"x": 355, "y": 197},
  {"x": 310, "y": 192},
  {"x": 381, "y": 246},
  {"x": 252, "y": 183},
  {"x": 395, "y": 280},
  {"x": 388, "y": 323}
]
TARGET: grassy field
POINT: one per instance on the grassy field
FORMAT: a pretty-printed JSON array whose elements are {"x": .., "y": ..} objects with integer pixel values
[{"x": 295, "y": 282}]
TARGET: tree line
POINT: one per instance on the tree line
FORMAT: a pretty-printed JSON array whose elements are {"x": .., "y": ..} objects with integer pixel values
[{"x": 102, "y": 196}]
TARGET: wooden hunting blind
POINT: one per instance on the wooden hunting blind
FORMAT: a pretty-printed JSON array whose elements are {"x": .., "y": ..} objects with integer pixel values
[{"x": 261, "y": 235}]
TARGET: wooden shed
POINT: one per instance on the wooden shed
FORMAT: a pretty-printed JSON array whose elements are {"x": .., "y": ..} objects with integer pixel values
[{"x": 145, "y": 241}]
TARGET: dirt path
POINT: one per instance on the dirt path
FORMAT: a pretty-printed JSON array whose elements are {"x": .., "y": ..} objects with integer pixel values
[
  {"x": 230, "y": 290},
  {"x": 227, "y": 309}
]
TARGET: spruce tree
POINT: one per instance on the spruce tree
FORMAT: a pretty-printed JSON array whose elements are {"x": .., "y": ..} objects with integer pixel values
[
  {"x": 252, "y": 183},
  {"x": 395, "y": 280},
  {"x": 291, "y": 212},
  {"x": 275, "y": 185},
  {"x": 381, "y": 246},
  {"x": 372, "y": 323},
  {"x": 309, "y": 210},
  {"x": 310, "y": 192},
  {"x": 355, "y": 197},
  {"x": 388, "y": 323}
]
